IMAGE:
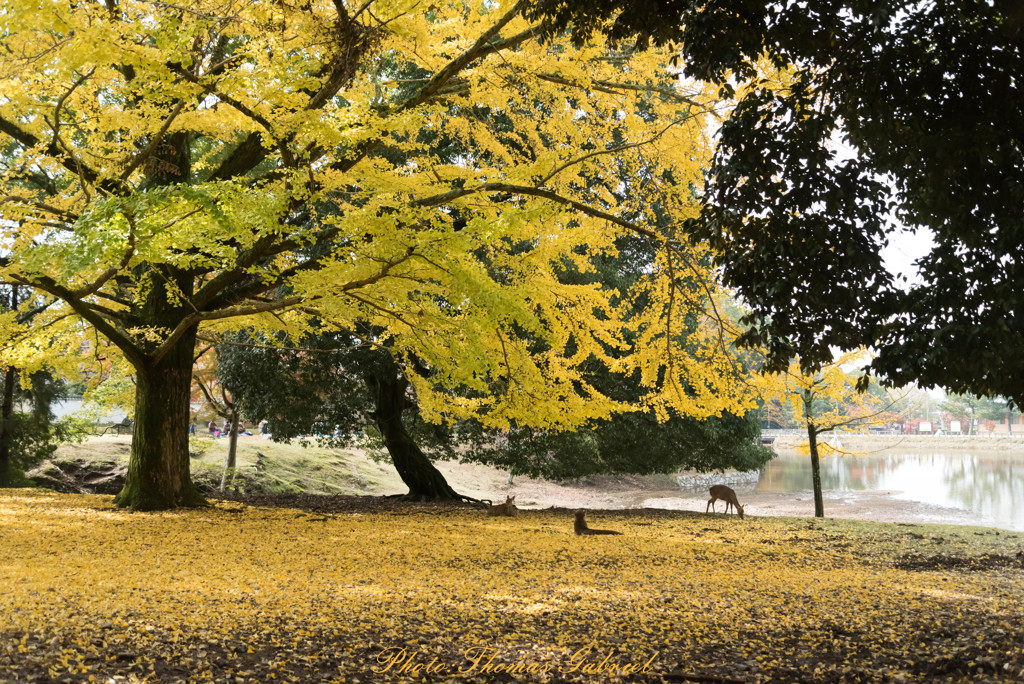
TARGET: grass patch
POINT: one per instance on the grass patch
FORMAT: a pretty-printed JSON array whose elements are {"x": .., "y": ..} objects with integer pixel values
[
  {"x": 259, "y": 594},
  {"x": 261, "y": 464}
]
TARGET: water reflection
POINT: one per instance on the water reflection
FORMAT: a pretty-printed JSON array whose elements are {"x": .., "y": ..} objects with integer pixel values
[{"x": 989, "y": 484}]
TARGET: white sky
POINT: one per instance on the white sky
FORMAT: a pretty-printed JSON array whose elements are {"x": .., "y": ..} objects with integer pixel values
[{"x": 904, "y": 248}]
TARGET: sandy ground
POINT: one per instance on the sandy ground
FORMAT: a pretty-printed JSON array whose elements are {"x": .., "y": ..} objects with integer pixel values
[
  {"x": 609, "y": 493},
  {"x": 661, "y": 492}
]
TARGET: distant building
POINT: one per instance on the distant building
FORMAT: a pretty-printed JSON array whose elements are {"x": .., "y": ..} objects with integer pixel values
[{"x": 1009, "y": 424}]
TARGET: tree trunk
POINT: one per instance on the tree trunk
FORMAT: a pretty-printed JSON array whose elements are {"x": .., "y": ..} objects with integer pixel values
[
  {"x": 812, "y": 440},
  {"x": 819, "y": 502},
  {"x": 6, "y": 411},
  {"x": 231, "y": 460},
  {"x": 425, "y": 482},
  {"x": 7, "y": 407},
  {"x": 158, "y": 468}
]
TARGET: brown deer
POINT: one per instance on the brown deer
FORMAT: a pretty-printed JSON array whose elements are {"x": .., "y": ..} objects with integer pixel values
[
  {"x": 580, "y": 526},
  {"x": 508, "y": 508},
  {"x": 728, "y": 496}
]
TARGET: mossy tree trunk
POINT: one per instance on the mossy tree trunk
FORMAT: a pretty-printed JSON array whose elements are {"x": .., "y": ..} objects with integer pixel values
[
  {"x": 425, "y": 482},
  {"x": 10, "y": 377},
  {"x": 158, "y": 468}
]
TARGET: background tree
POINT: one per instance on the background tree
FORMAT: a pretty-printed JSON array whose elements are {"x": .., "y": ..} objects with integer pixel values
[
  {"x": 333, "y": 387},
  {"x": 27, "y": 381},
  {"x": 223, "y": 403},
  {"x": 165, "y": 168},
  {"x": 892, "y": 111},
  {"x": 345, "y": 381},
  {"x": 827, "y": 400},
  {"x": 993, "y": 409}
]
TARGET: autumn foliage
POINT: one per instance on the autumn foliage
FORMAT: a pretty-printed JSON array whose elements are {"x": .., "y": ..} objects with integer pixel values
[
  {"x": 435, "y": 174},
  {"x": 247, "y": 594}
]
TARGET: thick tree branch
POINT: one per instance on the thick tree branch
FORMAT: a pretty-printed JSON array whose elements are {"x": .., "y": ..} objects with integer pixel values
[
  {"x": 441, "y": 78},
  {"x": 68, "y": 216},
  {"x": 142, "y": 156},
  {"x": 248, "y": 290},
  {"x": 84, "y": 292},
  {"x": 230, "y": 312},
  {"x": 27, "y": 139},
  {"x": 270, "y": 305},
  {"x": 94, "y": 315}
]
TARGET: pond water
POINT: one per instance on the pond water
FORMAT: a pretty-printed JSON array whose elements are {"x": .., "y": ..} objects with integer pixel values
[{"x": 987, "y": 484}]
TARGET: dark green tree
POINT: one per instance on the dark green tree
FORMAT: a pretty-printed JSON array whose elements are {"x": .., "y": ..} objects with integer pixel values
[
  {"x": 332, "y": 387},
  {"x": 926, "y": 97}
]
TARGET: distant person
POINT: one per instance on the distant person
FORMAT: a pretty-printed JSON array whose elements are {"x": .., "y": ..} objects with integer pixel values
[{"x": 212, "y": 427}]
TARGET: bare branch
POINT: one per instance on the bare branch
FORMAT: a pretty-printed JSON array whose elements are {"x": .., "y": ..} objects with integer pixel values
[
  {"x": 613, "y": 87},
  {"x": 446, "y": 197},
  {"x": 613, "y": 150}
]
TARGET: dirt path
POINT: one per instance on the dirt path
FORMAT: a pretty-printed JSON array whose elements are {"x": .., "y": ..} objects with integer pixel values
[
  {"x": 601, "y": 492},
  {"x": 662, "y": 492}
]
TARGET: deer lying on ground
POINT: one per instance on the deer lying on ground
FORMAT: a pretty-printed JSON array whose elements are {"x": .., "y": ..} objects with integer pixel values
[
  {"x": 580, "y": 526},
  {"x": 508, "y": 508},
  {"x": 728, "y": 496}
]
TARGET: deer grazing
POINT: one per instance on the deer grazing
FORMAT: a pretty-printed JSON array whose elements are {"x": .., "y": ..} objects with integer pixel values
[
  {"x": 728, "y": 496},
  {"x": 508, "y": 508}
]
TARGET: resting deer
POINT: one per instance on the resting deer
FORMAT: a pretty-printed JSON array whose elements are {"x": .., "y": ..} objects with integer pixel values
[
  {"x": 728, "y": 496},
  {"x": 508, "y": 508},
  {"x": 580, "y": 526}
]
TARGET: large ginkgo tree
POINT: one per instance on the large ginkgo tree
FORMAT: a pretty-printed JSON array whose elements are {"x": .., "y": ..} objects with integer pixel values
[{"x": 178, "y": 170}]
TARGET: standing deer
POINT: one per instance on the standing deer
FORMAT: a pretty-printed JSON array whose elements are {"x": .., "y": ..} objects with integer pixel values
[{"x": 728, "y": 496}]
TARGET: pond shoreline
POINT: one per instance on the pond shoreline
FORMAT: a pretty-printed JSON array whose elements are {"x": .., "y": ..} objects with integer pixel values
[
  {"x": 880, "y": 506},
  {"x": 851, "y": 442}
]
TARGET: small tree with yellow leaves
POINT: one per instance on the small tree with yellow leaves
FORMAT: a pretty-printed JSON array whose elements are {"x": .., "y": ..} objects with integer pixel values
[{"x": 827, "y": 400}]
